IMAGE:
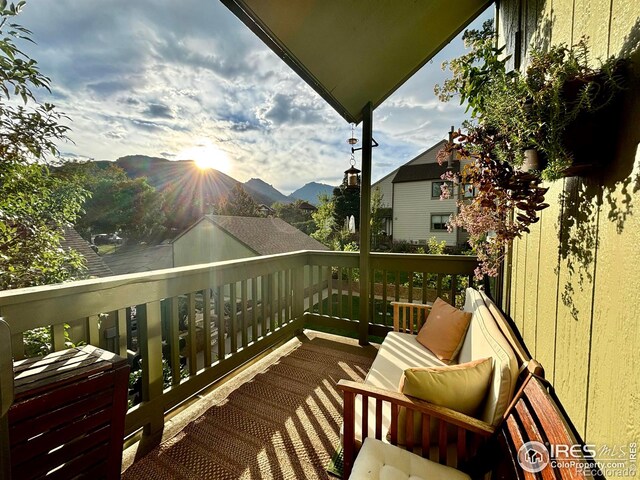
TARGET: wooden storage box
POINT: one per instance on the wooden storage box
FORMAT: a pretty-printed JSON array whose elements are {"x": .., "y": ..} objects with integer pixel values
[{"x": 67, "y": 419}]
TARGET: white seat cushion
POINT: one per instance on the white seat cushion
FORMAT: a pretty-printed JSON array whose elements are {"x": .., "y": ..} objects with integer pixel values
[
  {"x": 381, "y": 461},
  {"x": 398, "y": 352}
]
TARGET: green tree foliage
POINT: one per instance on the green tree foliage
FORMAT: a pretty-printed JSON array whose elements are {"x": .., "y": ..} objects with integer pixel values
[
  {"x": 117, "y": 203},
  {"x": 238, "y": 203},
  {"x": 34, "y": 205},
  {"x": 296, "y": 216},
  {"x": 324, "y": 220},
  {"x": 347, "y": 203},
  {"x": 377, "y": 220}
]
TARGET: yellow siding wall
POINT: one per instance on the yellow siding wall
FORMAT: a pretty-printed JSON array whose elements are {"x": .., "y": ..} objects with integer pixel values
[
  {"x": 206, "y": 243},
  {"x": 575, "y": 288}
]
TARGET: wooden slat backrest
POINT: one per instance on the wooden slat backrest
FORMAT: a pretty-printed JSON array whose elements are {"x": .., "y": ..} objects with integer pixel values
[
  {"x": 409, "y": 317},
  {"x": 534, "y": 417}
]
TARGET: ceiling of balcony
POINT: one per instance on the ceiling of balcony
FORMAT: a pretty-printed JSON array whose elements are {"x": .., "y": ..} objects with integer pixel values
[{"x": 354, "y": 51}]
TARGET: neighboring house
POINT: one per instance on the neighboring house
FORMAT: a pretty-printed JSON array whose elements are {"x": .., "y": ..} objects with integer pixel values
[
  {"x": 411, "y": 196},
  {"x": 216, "y": 238},
  {"x": 266, "y": 210},
  {"x": 307, "y": 207},
  {"x": 94, "y": 263}
]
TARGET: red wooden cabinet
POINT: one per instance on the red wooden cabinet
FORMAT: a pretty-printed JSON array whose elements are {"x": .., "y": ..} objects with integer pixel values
[{"x": 67, "y": 419}]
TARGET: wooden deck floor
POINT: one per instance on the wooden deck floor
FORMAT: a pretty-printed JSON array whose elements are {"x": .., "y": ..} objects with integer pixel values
[{"x": 279, "y": 419}]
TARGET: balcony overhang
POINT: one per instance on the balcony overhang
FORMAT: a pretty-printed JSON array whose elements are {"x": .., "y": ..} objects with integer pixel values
[{"x": 356, "y": 52}]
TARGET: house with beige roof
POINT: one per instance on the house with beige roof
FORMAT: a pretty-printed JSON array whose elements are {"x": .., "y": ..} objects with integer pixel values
[{"x": 216, "y": 238}]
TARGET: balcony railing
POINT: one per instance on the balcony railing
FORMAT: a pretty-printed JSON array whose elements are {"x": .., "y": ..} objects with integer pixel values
[{"x": 185, "y": 328}]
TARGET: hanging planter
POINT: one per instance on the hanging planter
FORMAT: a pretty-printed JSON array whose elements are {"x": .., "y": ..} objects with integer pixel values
[{"x": 552, "y": 120}]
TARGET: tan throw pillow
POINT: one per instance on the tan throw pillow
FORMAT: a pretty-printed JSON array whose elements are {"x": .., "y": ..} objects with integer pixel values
[
  {"x": 444, "y": 331},
  {"x": 462, "y": 388}
]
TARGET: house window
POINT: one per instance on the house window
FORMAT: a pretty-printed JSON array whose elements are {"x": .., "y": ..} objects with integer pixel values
[
  {"x": 439, "y": 221},
  {"x": 468, "y": 190},
  {"x": 437, "y": 186}
]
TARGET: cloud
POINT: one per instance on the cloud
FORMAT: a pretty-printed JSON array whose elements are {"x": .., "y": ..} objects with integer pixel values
[
  {"x": 158, "y": 110},
  {"x": 153, "y": 77}
]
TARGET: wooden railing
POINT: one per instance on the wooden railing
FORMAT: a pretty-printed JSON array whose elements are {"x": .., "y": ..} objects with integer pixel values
[
  {"x": 185, "y": 328},
  {"x": 334, "y": 293}
]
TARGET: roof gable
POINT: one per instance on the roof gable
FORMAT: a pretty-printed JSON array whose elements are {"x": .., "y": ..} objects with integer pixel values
[
  {"x": 265, "y": 236},
  {"x": 423, "y": 171},
  {"x": 94, "y": 263}
]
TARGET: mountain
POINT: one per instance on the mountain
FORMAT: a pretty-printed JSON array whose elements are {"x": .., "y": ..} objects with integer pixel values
[
  {"x": 184, "y": 176},
  {"x": 263, "y": 188},
  {"x": 310, "y": 192}
]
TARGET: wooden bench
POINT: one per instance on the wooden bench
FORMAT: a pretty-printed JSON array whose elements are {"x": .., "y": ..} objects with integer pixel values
[{"x": 533, "y": 416}]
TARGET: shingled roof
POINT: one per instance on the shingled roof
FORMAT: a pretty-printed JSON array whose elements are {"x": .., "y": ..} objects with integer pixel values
[
  {"x": 266, "y": 236},
  {"x": 95, "y": 266},
  {"x": 423, "y": 171}
]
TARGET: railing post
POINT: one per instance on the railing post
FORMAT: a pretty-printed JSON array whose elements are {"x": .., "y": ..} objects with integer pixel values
[
  {"x": 365, "y": 224},
  {"x": 150, "y": 343}
]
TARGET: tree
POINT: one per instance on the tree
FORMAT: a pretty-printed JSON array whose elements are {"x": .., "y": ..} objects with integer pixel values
[
  {"x": 296, "y": 216},
  {"x": 347, "y": 203},
  {"x": 324, "y": 219},
  {"x": 238, "y": 203},
  {"x": 117, "y": 203},
  {"x": 377, "y": 220},
  {"x": 35, "y": 206}
]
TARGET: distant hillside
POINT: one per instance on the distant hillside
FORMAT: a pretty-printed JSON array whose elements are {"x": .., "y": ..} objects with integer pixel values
[
  {"x": 184, "y": 175},
  {"x": 263, "y": 188},
  {"x": 310, "y": 192}
]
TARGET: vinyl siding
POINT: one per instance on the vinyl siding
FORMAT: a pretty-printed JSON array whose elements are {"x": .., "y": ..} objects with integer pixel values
[
  {"x": 413, "y": 207},
  {"x": 206, "y": 243}
]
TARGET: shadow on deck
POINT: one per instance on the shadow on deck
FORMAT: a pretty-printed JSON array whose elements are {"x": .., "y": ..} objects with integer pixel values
[{"x": 279, "y": 418}]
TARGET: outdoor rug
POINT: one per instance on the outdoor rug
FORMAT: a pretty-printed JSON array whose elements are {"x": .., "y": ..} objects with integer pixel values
[{"x": 284, "y": 423}]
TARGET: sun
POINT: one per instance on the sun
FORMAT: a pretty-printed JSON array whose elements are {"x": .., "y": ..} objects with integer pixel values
[{"x": 206, "y": 155}]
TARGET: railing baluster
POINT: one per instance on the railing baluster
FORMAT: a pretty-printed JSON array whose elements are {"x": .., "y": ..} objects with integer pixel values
[
  {"x": 129, "y": 329},
  {"x": 57, "y": 337},
  {"x": 281, "y": 300},
  {"x": 121, "y": 329},
  {"x": 173, "y": 338},
  {"x": 254, "y": 309},
  {"x": 410, "y": 287},
  {"x": 365, "y": 416},
  {"x": 288, "y": 297},
  {"x": 150, "y": 344},
  {"x": 329, "y": 291},
  {"x": 264, "y": 301},
  {"x": 233, "y": 304},
  {"x": 206, "y": 322},
  {"x": 385, "y": 316},
  {"x": 397, "y": 286},
  {"x": 93, "y": 330},
  {"x": 221, "y": 322},
  {"x": 272, "y": 302},
  {"x": 439, "y": 286},
  {"x": 424, "y": 287},
  {"x": 454, "y": 284},
  {"x": 245, "y": 319},
  {"x": 192, "y": 332},
  {"x": 320, "y": 290},
  {"x": 340, "y": 312},
  {"x": 350, "y": 273}
]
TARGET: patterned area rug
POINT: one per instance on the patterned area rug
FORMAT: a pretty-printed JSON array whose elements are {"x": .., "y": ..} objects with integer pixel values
[{"x": 283, "y": 424}]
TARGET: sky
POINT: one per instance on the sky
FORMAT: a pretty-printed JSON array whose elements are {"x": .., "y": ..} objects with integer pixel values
[{"x": 187, "y": 80}]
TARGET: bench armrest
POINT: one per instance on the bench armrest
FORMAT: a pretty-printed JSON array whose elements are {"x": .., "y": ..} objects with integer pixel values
[
  {"x": 465, "y": 426},
  {"x": 409, "y": 317}
]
